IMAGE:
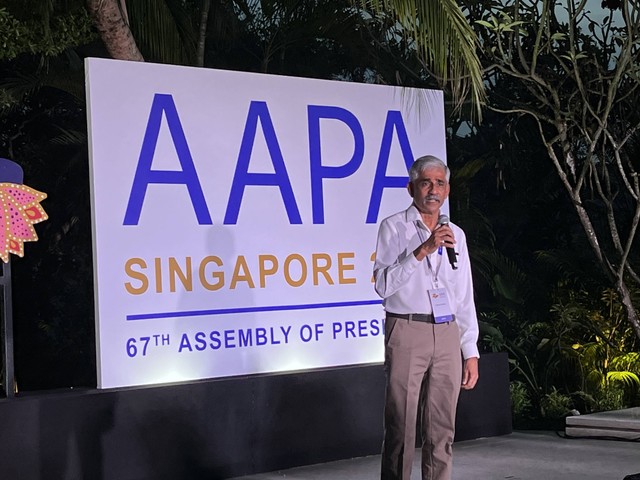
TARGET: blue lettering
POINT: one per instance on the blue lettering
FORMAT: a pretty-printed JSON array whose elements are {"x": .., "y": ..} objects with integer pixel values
[
  {"x": 184, "y": 343},
  {"x": 320, "y": 172},
  {"x": 145, "y": 176},
  {"x": 337, "y": 328},
  {"x": 261, "y": 336},
  {"x": 242, "y": 177},
  {"x": 381, "y": 181},
  {"x": 349, "y": 329},
  {"x": 229, "y": 339},
  {"x": 274, "y": 341},
  {"x": 319, "y": 330},
  {"x": 362, "y": 328},
  {"x": 286, "y": 331},
  {"x": 215, "y": 340},
  {"x": 375, "y": 327},
  {"x": 306, "y": 333},
  {"x": 200, "y": 341},
  {"x": 245, "y": 338}
]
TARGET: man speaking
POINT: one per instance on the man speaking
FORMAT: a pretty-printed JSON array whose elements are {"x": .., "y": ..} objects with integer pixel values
[{"x": 430, "y": 321}]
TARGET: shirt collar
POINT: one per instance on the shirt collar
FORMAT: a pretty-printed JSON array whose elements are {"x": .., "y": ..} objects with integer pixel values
[{"x": 412, "y": 215}]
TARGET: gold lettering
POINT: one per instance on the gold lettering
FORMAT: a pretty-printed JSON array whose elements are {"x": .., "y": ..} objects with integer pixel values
[
  {"x": 158, "y": 265},
  {"x": 141, "y": 277},
  {"x": 263, "y": 259},
  {"x": 218, "y": 276},
  {"x": 321, "y": 269},
  {"x": 342, "y": 280},
  {"x": 245, "y": 276},
  {"x": 287, "y": 271},
  {"x": 186, "y": 278}
]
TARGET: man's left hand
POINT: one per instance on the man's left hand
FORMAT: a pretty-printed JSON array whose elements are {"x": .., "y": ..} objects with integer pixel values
[{"x": 470, "y": 373}]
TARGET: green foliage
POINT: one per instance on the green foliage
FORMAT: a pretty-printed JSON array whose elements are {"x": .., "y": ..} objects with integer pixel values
[
  {"x": 65, "y": 30},
  {"x": 443, "y": 40},
  {"x": 625, "y": 377},
  {"x": 501, "y": 23},
  {"x": 611, "y": 398},
  {"x": 561, "y": 300},
  {"x": 608, "y": 356},
  {"x": 312, "y": 38},
  {"x": 164, "y": 30},
  {"x": 576, "y": 78},
  {"x": 601, "y": 371},
  {"x": 555, "y": 404},
  {"x": 520, "y": 399}
]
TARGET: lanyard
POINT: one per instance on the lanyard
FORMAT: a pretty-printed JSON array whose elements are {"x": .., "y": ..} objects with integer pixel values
[{"x": 434, "y": 274}]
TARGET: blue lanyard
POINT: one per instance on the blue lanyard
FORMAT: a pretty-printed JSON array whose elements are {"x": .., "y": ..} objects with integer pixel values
[{"x": 434, "y": 274}]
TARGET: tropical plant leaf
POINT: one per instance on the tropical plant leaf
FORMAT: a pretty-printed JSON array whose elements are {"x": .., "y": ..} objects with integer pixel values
[
  {"x": 444, "y": 42},
  {"x": 163, "y": 30},
  {"x": 628, "y": 378}
]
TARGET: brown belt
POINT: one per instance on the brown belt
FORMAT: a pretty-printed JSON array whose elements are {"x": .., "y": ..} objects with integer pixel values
[{"x": 414, "y": 317}]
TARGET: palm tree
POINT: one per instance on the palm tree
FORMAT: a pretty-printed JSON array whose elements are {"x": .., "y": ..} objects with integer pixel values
[
  {"x": 438, "y": 31},
  {"x": 110, "y": 18},
  {"x": 443, "y": 40}
]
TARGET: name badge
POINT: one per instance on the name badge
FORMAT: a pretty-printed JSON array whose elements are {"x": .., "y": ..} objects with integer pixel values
[{"x": 440, "y": 305}]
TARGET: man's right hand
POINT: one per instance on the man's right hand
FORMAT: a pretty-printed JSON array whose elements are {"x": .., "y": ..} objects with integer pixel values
[{"x": 442, "y": 236}]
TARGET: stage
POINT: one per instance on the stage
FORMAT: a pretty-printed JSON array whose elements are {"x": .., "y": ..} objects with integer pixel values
[
  {"x": 519, "y": 456},
  {"x": 222, "y": 428}
]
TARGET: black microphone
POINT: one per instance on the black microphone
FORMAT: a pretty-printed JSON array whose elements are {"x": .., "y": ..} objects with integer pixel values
[{"x": 451, "y": 253}]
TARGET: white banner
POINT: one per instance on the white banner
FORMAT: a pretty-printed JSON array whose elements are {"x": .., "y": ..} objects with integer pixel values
[{"x": 235, "y": 217}]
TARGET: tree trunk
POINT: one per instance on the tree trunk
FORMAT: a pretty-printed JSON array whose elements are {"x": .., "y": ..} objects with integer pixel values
[
  {"x": 632, "y": 315},
  {"x": 114, "y": 30},
  {"x": 202, "y": 36},
  {"x": 616, "y": 276}
]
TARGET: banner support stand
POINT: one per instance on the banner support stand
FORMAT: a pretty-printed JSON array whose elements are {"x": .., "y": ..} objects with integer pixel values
[{"x": 6, "y": 328}]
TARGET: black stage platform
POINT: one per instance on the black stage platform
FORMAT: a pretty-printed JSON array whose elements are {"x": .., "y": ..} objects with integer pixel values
[{"x": 222, "y": 428}]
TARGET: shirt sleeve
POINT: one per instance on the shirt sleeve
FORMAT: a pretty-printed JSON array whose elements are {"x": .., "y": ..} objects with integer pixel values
[
  {"x": 466, "y": 316},
  {"x": 394, "y": 263}
]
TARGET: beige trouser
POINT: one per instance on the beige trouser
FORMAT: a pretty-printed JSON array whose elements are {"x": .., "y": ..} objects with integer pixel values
[{"x": 424, "y": 371}]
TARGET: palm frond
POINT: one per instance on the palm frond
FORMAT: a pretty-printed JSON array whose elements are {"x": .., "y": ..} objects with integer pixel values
[
  {"x": 20, "y": 85},
  {"x": 162, "y": 30},
  {"x": 627, "y": 378},
  {"x": 69, "y": 137},
  {"x": 504, "y": 276},
  {"x": 628, "y": 361},
  {"x": 570, "y": 265},
  {"x": 444, "y": 42}
]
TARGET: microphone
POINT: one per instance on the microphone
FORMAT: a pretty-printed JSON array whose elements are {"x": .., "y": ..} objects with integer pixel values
[{"x": 451, "y": 253}]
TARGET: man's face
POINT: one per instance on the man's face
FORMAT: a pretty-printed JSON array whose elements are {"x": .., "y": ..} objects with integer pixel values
[{"x": 429, "y": 190}]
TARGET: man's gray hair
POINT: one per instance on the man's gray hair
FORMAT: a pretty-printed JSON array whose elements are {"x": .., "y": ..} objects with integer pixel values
[{"x": 427, "y": 161}]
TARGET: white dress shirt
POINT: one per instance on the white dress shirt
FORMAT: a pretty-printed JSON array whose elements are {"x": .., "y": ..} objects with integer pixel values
[{"x": 403, "y": 282}]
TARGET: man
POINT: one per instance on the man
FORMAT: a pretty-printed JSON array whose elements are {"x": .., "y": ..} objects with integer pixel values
[{"x": 430, "y": 321}]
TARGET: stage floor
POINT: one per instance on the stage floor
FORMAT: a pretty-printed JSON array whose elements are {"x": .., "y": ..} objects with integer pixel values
[{"x": 518, "y": 456}]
